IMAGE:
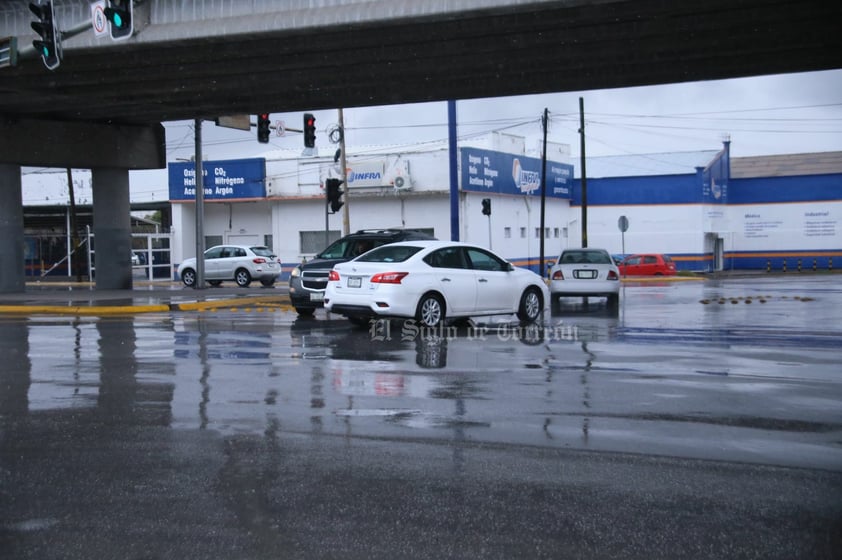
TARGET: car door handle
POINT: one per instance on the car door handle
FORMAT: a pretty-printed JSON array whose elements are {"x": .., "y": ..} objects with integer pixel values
[
  {"x": 445, "y": 279},
  {"x": 483, "y": 280}
]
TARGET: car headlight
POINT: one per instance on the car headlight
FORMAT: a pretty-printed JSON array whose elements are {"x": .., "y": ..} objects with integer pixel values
[{"x": 296, "y": 272}]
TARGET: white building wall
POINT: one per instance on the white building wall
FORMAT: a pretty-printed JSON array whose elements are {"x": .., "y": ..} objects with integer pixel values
[
  {"x": 515, "y": 225},
  {"x": 293, "y": 216},
  {"x": 787, "y": 226},
  {"x": 241, "y": 223},
  {"x": 673, "y": 229}
]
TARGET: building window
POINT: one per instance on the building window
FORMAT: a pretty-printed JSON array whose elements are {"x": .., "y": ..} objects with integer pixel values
[
  {"x": 212, "y": 241},
  {"x": 312, "y": 242},
  {"x": 537, "y": 233},
  {"x": 507, "y": 232},
  {"x": 267, "y": 240},
  {"x": 523, "y": 233},
  {"x": 556, "y": 233}
]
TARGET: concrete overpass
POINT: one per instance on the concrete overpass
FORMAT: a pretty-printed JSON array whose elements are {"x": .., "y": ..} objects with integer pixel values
[{"x": 102, "y": 108}]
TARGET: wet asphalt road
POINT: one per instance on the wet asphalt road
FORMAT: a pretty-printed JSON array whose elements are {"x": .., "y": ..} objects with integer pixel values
[{"x": 698, "y": 420}]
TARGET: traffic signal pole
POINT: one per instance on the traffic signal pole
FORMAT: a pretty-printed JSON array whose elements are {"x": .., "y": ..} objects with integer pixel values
[
  {"x": 346, "y": 215},
  {"x": 545, "y": 122}
]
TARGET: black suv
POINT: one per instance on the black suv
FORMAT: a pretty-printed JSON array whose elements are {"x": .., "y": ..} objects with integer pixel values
[{"x": 308, "y": 280}]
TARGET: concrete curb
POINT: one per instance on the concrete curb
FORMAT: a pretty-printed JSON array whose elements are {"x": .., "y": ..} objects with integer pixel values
[{"x": 280, "y": 302}]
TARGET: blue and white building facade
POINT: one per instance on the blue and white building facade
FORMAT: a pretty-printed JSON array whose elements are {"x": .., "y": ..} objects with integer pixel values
[
  {"x": 711, "y": 212},
  {"x": 280, "y": 202},
  {"x": 707, "y": 211}
]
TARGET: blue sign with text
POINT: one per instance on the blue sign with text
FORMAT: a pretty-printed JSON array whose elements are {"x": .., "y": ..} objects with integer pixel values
[
  {"x": 486, "y": 171},
  {"x": 222, "y": 180}
]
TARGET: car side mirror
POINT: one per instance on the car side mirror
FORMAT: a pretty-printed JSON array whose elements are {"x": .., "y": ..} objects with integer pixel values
[{"x": 510, "y": 267}]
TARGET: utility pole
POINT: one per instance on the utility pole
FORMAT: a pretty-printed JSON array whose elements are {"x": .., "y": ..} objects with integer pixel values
[
  {"x": 584, "y": 173},
  {"x": 545, "y": 123},
  {"x": 200, "y": 208},
  {"x": 346, "y": 216},
  {"x": 74, "y": 260}
]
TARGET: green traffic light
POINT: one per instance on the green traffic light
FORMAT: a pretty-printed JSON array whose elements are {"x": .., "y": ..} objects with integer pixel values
[{"x": 118, "y": 21}]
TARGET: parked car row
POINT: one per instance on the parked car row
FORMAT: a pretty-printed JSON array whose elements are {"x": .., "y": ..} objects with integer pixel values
[{"x": 398, "y": 273}]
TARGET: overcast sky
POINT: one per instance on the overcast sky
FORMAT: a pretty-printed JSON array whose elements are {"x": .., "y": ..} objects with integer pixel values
[
  {"x": 765, "y": 115},
  {"x": 792, "y": 113}
]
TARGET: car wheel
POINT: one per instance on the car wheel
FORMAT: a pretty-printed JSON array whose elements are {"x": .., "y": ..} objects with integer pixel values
[
  {"x": 530, "y": 305},
  {"x": 268, "y": 282},
  {"x": 242, "y": 277},
  {"x": 430, "y": 312},
  {"x": 215, "y": 282},
  {"x": 188, "y": 276},
  {"x": 305, "y": 311}
]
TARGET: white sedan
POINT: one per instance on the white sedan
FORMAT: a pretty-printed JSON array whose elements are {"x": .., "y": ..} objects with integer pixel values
[
  {"x": 432, "y": 280},
  {"x": 585, "y": 272}
]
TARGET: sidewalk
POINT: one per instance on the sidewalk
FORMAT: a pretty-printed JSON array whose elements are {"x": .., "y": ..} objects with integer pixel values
[{"x": 82, "y": 298}]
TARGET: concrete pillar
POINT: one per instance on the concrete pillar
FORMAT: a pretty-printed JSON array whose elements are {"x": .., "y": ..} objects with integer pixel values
[
  {"x": 12, "y": 278},
  {"x": 112, "y": 229}
]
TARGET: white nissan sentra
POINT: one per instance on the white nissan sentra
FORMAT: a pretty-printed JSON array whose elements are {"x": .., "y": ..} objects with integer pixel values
[
  {"x": 585, "y": 272},
  {"x": 431, "y": 281}
]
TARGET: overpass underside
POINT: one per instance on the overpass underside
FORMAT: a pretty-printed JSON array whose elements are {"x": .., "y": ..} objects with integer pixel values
[{"x": 210, "y": 58}]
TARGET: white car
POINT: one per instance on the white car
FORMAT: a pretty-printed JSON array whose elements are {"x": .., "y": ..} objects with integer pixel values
[
  {"x": 239, "y": 263},
  {"x": 585, "y": 272},
  {"x": 430, "y": 281}
]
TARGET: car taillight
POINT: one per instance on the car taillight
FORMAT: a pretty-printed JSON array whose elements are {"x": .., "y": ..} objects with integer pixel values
[
  {"x": 612, "y": 275},
  {"x": 388, "y": 277},
  {"x": 557, "y": 275},
  {"x": 258, "y": 260},
  {"x": 333, "y": 276}
]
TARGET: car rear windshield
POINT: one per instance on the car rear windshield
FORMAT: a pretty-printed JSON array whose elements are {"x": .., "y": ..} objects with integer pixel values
[
  {"x": 262, "y": 251},
  {"x": 389, "y": 253},
  {"x": 581, "y": 257}
]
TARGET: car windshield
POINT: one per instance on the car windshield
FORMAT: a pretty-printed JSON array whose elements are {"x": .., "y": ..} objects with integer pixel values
[
  {"x": 581, "y": 257},
  {"x": 389, "y": 254},
  {"x": 262, "y": 252},
  {"x": 336, "y": 250}
]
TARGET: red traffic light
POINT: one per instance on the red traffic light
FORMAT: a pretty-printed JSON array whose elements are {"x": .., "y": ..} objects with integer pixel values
[
  {"x": 309, "y": 131},
  {"x": 263, "y": 128}
]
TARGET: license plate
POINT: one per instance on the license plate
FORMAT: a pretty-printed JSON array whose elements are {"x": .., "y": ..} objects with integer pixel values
[
  {"x": 355, "y": 282},
  {"x": 317, "y": 296},
  {"x": 584, "y": 274}
]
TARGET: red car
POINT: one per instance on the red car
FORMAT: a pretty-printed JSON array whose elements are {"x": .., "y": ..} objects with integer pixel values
[{"x": 647, "y": 265}]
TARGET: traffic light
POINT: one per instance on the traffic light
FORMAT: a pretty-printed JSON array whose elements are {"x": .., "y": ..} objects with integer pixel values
[
  {"x": 263, "y": 128},
  {"x": 49, "y": 45},
  {"x": 119, "y": 16},
  {"x": 486, "y": 206},
  {"x": 309, "y": 131},
  {"x": 334, "y": 193}
]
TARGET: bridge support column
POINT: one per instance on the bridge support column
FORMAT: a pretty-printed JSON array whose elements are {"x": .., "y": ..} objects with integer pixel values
[
  {"x": 112, "y": 229},
  {"x": 11, "y": 231}
]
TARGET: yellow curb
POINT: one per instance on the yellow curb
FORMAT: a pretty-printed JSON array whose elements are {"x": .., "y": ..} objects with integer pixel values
[
  {"x": 82, "y": 309},
  {"x": 255, "y": 300},
  {"x": 278, "y": 301}
]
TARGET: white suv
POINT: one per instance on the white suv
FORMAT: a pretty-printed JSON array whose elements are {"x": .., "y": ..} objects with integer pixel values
[{"x": 239, "y": 263}]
